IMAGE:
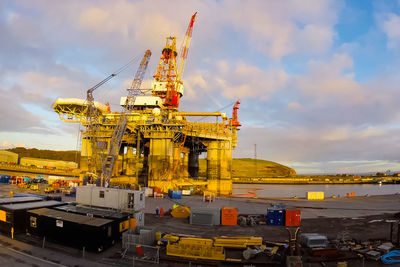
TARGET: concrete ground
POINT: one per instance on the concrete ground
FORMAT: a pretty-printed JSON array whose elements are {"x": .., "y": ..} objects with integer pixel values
[
  {"x": 359, "y": 218},
  {"x": 330, "y": 208}
]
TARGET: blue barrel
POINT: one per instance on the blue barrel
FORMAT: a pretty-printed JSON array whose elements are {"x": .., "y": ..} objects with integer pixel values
[{"x": 157, "y": 211}]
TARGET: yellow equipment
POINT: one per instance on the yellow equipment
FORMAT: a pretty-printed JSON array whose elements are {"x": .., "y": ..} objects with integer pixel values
[
  {"x": 198, "y": 248},
  {"x": 181, "y": 212},
  {"x": 237, "y": 242},
  {"x": 34, "y": 187},
  {"x": 171, "y": 238}
]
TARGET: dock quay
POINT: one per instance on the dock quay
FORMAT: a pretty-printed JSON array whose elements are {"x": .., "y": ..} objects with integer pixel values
[{"x": 361, "y": 218}]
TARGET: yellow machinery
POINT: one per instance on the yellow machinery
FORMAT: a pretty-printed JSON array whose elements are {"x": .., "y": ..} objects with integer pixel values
[
  {"x": 237, "y": 242},
  {"x": 211, "y": 249},
  {"x": 160, "y": 147},
  {"x": 199, "y": 248}
]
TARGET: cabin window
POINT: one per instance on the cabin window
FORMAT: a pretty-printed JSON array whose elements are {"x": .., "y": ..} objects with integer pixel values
[
  {"x": 33, "y": 222},
  {"x": 131, "y": 200},
  {"x": 101, "y": 194},
  {"x": 109, "y": 231}
]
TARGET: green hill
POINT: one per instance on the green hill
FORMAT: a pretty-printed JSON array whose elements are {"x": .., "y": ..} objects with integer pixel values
[
  {"x": 253, "y": 168},
  {"x": 46, "y": 154},
  {"x": 240, "y": 167}
]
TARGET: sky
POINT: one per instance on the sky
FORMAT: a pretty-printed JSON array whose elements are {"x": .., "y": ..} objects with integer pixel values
[{"x": 317, "y": 79}]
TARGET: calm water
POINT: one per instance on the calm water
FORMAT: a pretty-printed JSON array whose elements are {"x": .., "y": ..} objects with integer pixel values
[{"x": 276, "y": 190}]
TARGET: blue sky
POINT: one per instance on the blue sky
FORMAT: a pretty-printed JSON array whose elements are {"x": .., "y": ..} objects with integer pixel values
[{"x": 317, "y": 79}]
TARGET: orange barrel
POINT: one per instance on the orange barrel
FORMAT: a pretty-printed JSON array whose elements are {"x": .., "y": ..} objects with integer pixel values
[{"x": 161, "y": 212}]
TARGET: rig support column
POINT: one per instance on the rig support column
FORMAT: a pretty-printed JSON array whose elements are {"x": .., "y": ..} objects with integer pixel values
[
  {"x": 193, "y": 164},
  {"x": 160, "y": 161},
  {"x": 130, "y": 162},
  {"x": 219, "y": 164}
]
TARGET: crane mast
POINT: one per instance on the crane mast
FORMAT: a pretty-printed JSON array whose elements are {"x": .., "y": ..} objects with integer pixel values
[
  {"x": 92, "y": 119},
  {"x": 116, "y": 140},
  {"x": 167, "y": 80}
]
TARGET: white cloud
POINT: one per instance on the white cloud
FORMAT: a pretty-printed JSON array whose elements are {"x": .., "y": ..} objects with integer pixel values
[
  {"x": 280, "y": 28},
  {"x": 7, "y": 145},
  {"x": 241, "y": 80},
  {"x": 391, "y": 27},
  {"x": 327, "y": 81},
  {"x": 295, "y": 106}
]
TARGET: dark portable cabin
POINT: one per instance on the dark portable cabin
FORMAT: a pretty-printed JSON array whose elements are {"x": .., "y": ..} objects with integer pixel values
[
  {"x": 95, "y": 234},
  {"x": 9, "y": 200},
  {"x": 118, "y": 218},
  {"x": 14, "y": 215},
  {"x": 95, "y": 212}
]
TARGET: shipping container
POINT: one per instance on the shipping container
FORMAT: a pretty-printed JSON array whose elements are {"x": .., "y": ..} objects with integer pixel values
[
  {"x": 292, "y": 217},
  {"x": 205, "y": 216},
  {"x": 229, "y": 216},
  {"x": 5, "y": 178},
  {"x": 93, "y": 234},
  {"x": 276, "y": 217},
  {"x": 113, "y": 198},
  {"x": 14, "y": 215},
  {"x": 174, "y": 194}
]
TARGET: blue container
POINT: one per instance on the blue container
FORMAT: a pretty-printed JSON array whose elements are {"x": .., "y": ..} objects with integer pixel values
[
  {"x": 5, "y": 179},
  {"x": 176, "y": 195},
  {"x": 276, "y": 217}
]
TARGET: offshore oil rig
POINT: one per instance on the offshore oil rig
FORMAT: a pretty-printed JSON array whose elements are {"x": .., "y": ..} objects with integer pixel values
[{"x": 150, "y": 142}]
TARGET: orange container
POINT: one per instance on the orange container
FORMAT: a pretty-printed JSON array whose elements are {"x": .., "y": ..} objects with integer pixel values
[
  {"x": 292, "y": 218},
  {"x": 157, "y": 190},
  {"x": 229, "y": 216}
]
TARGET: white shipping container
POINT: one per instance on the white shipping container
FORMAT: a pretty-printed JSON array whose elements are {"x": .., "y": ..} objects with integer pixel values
[
  {"x": 84, "y": 195},
  {"x": 113, "y": 198}
]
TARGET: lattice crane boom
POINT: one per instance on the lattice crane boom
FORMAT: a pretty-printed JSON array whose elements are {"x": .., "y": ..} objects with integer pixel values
[
  {"x": 185, "y": 47},
  {"x": 168, "y": 83},
  {"x": 116, "y": 140}
]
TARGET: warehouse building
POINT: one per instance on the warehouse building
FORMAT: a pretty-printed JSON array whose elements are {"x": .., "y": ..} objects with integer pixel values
[
  {"x": 8, "y": 157},
  {"x": 48, "y": 163}
]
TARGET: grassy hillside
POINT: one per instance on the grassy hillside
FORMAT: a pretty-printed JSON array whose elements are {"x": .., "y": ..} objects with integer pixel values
[
  {"x": 253, "y": 168},
  {"x": 240, "y": 167},
  {"x": 46, "y": 154}
]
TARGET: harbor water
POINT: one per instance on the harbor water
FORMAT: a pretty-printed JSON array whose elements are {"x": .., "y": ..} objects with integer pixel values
[{"x": 287, "y": 190}]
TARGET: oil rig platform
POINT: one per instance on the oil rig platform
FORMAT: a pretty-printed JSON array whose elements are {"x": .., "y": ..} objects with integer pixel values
[{"x": 150, "y": 142}]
